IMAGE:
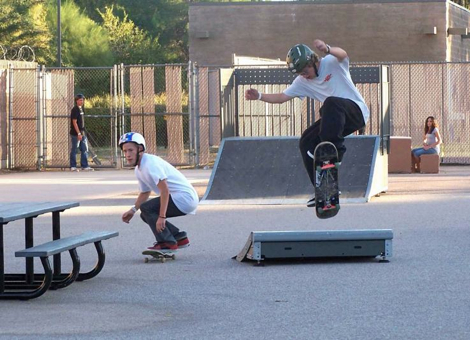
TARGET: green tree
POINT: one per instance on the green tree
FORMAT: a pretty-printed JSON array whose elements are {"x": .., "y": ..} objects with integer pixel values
[
  {"x": 129, "y": 43},
  {"x": 84, "y": 42},
  {"x": 163, "y": 20},
  {"x": 23, "y": 22}
]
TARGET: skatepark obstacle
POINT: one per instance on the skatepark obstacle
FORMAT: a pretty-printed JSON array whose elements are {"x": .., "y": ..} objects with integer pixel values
[
  {"x": 269, "y": 170},
  {"x": 262, "y": 245}
]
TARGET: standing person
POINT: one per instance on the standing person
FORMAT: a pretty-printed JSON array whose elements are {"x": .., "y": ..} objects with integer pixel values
[
  {"x": 177, "y": 197},
  {"x": 327, "y": 80},
  {"x": 78, "y": 138},
  {"x": 431, "y": 143}
]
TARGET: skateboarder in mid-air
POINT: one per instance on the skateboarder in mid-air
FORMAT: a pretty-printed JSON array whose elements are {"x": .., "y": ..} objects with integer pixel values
[
  {"x": 177, "y": 197},
  {"x": 327, "y": 80}
]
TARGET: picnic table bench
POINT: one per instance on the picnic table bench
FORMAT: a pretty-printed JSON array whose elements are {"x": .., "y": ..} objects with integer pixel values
[{"x": 31, "y": 285}]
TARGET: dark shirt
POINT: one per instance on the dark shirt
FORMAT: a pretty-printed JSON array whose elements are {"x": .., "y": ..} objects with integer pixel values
[{"x": 76, "y": 114}]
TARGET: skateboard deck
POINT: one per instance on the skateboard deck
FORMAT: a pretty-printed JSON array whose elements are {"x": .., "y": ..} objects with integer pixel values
[
  {"x": 158, "y": 255},
  {"x": 326, "y": 180}
]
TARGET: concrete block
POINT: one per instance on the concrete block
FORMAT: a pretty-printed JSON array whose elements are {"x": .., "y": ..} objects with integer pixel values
[
  {"x": 430, "y": 164},
  {"x": 399, "y": 159}
]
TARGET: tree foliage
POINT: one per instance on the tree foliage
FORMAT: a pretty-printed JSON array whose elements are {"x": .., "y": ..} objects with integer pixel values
[
  {"x": 23, "y": 22},
  {"x": 84, "y": 42},
  {"x": 165, "y": 21},
  {"x": 100, "y": 32},
  {"x": 129, "y": 43}
]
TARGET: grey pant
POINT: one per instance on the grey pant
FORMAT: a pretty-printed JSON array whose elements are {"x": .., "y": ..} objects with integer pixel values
[{"x": 149, "y": 212}]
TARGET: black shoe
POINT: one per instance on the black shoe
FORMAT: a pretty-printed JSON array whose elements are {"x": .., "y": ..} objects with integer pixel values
[{"x": 311, "y": 202}]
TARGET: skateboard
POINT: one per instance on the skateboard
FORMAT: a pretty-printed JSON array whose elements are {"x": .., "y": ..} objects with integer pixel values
[
  {"x": 91, "y": 151},
  {"x": 326, "y": 180},
  {"x": 158, "y": 256}
]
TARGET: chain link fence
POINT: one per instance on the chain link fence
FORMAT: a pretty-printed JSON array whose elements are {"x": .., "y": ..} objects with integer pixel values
[
  {"x": 441, "y": 90},
  {"x": 184, "y": 110},
  {"x": 22, "y": 120},
  {"x": 205, "y": 109},
  {"x": 154, "y": 102},
  {"x": 60, "y": 87}
]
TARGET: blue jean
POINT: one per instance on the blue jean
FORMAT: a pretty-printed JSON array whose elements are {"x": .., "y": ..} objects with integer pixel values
[
  {"x": 420, "y": 151},
  {"x": 83, "y": 146}
]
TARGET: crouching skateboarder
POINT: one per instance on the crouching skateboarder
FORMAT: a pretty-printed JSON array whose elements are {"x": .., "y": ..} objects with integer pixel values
[
  {"x": 177, "y": 197},
  {"x": 327, "y": 80}
]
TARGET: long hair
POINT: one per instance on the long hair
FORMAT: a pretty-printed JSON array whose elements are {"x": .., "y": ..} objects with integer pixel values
[
  {"x": 77, "y": 97},
  {"x": 434, "y": 125}
]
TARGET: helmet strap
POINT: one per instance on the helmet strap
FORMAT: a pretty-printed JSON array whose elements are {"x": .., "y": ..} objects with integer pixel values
[
  {"x": 315, "y": 68},
  {"x": 138, "y": 155},
  {"x": 137, "y": 159}
]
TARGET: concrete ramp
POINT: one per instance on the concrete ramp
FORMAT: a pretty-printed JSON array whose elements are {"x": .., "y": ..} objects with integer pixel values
[{"x": 269, "y": 170}]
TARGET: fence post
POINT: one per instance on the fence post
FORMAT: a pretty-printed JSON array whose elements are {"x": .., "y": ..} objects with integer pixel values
[
  {"x": 115, "y": 114},
  {"x": 192, "y": 152},
  {"x": 39, "y": 119},
  {"x": 196, "y": 114},
  {"x": 123, "y": 104},
  {"x": 10, "y": 116}
]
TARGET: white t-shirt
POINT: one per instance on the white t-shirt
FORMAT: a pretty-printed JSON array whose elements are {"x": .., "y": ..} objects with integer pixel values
[
  {"x": 153, "y": 169},
  {"x": 334, "y": 80},
  {"x": 431, "y": 138}
]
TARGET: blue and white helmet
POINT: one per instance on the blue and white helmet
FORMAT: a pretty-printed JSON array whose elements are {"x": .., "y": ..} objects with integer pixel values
[{"x": 132, "y": 137}]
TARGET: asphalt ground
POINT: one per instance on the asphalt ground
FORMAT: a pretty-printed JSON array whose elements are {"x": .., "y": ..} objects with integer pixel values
[{"x": 422, "y": 293}]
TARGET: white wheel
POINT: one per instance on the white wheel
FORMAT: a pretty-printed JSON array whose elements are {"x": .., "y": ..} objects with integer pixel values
[
  {"x": 162, "y": 260},
  {"x": 146, "y": 260}
]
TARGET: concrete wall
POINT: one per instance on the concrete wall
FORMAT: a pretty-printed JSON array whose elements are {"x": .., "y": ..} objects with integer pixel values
[
  {"x": 368, "y": 31},
  {"x": 458, "y": 47}
]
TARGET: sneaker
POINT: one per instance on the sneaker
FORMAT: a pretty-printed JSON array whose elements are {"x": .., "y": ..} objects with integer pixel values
[
  {"x": 181, "y": 235},
  {"x": 88, "y": 169},
  {"x": 163, "y": 247},
  {"x": 73, "y": 169},
  {"x": 311, "y": 202},
  {"x": 183, "y": 243}
]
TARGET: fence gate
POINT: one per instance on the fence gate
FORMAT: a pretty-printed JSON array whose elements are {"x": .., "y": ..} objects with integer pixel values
[
  {"x": 60, "y": 85},
  {"x": 23, "y": 123},
  {"x": 153, "y": 100}
]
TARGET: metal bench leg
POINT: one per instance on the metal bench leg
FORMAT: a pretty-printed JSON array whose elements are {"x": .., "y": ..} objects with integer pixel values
[
  {"x": 69, "y": 279},
  {"x": 26, "y": 295},
  {"x": 99, "y": 265}
]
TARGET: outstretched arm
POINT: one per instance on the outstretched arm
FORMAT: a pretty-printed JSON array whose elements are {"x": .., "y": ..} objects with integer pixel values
[
  {"x": 338, "y": 52},
  {"x": 274, "y": 98}
]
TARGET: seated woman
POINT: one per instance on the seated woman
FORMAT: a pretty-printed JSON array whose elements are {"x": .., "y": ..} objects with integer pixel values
[{"x": 432, "y": 140}]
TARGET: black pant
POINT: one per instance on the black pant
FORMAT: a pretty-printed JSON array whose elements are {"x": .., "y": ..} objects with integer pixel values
[
  {"x": 339, "y": 118},
  {"x": 149, "y": 212}
]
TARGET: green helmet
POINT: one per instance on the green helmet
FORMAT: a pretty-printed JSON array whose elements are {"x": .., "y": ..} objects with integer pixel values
[{"x": 298, "y": 57}]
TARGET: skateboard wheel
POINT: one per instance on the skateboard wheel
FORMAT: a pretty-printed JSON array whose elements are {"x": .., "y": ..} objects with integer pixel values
[
  {"x": 318, "y": 168},
  {"x": 172, "y": 257},
  {"x": 320, "y": 210},
  {"x": 146, "y": 260},
  {"x": 162, "y": 260},
  {"x": 337, "y": 164}
]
